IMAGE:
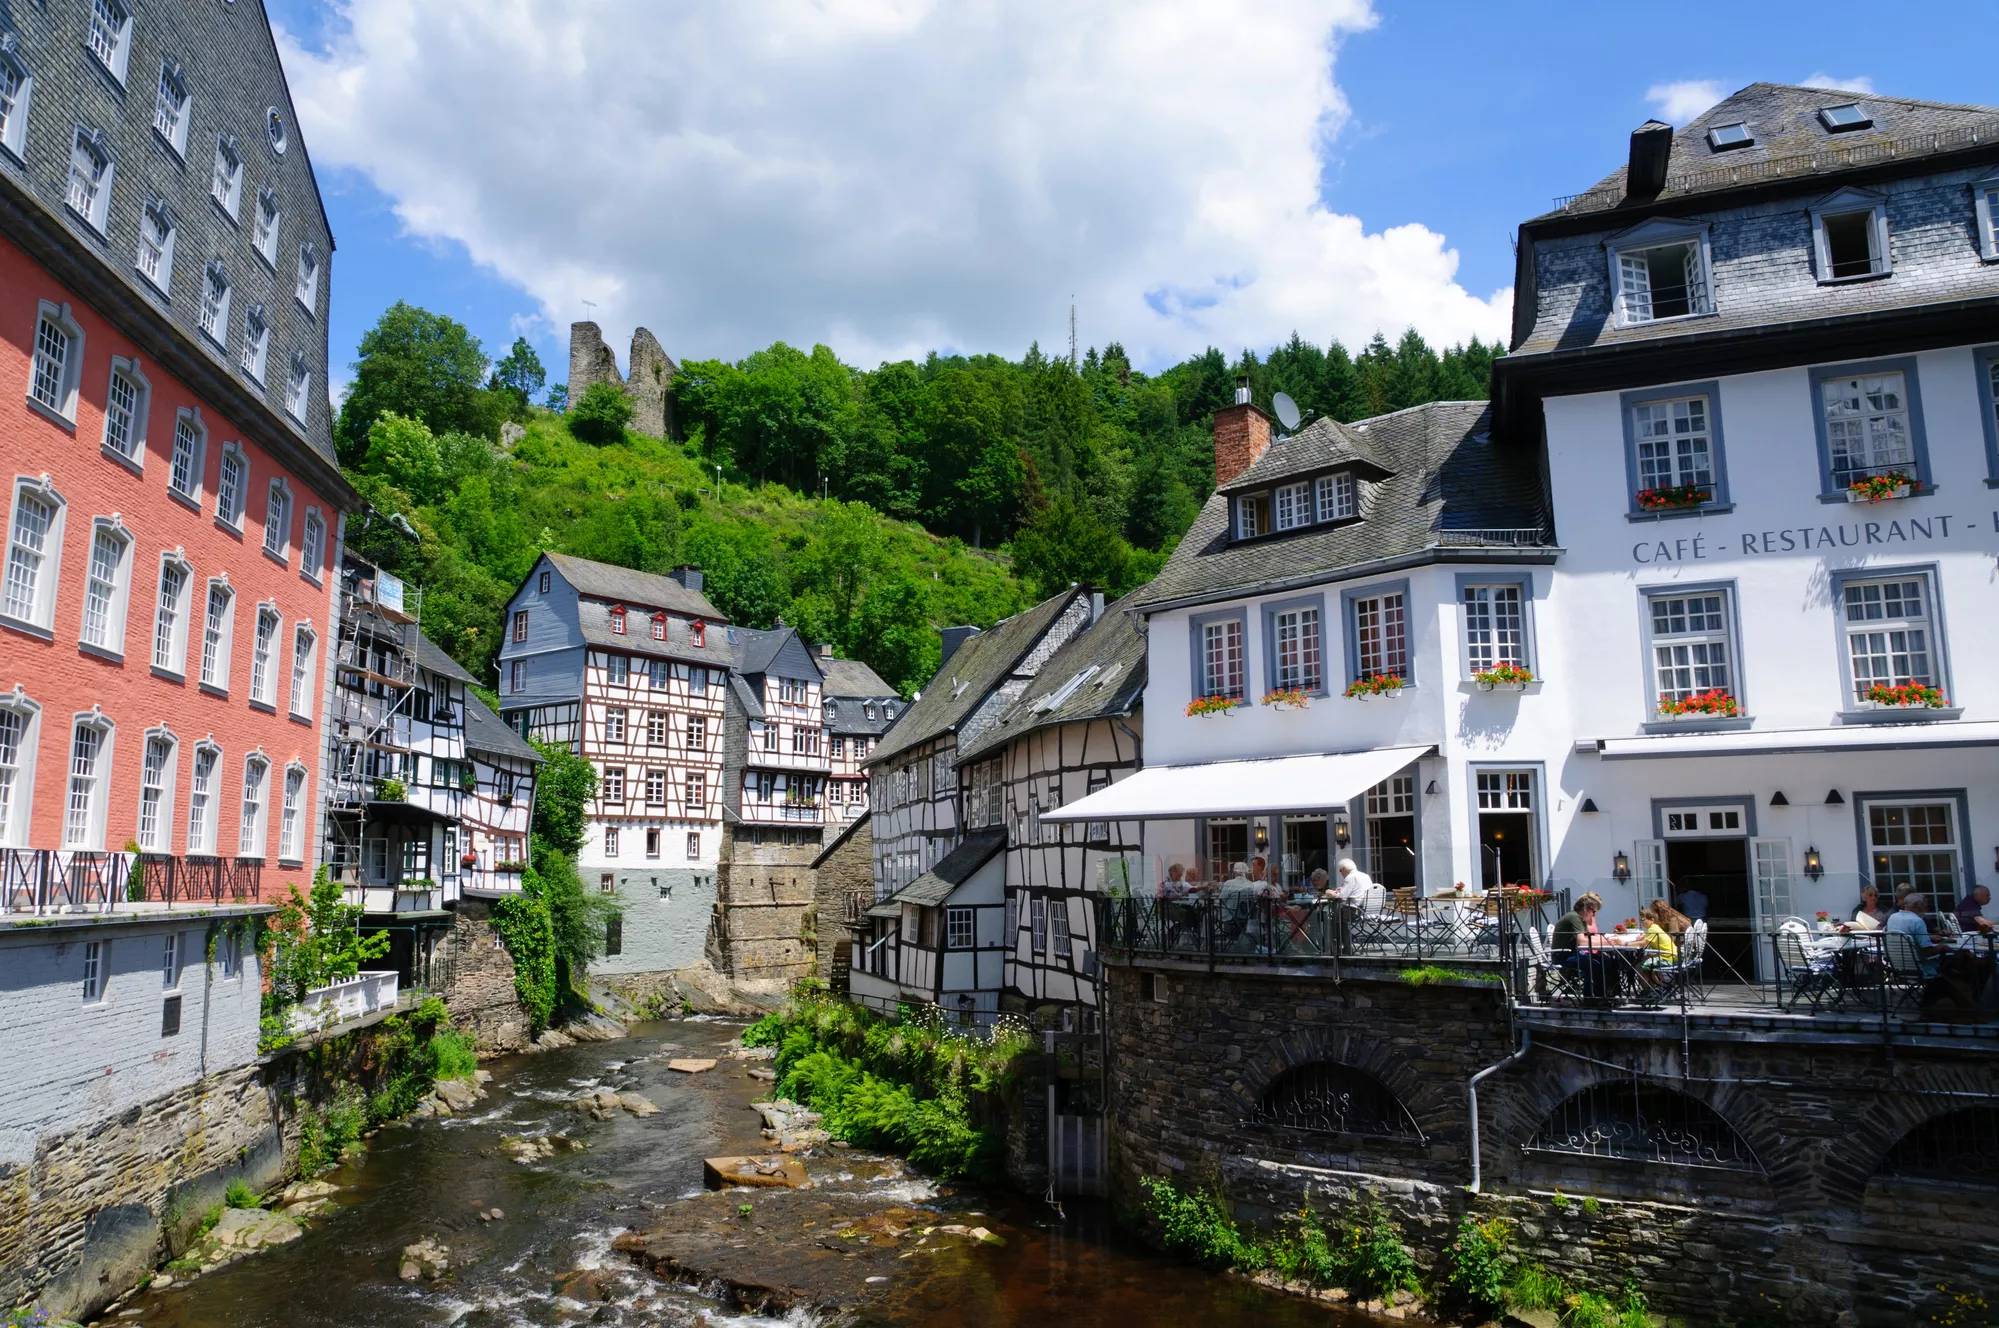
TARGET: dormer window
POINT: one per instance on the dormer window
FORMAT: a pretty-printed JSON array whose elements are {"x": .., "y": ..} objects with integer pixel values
[
  {"x": 1335, "y": 497},
  {"x": 618, "y": 621},
  {"x": 1844, "y": 118},
  {"x": 1252, "y": 515},
  {"x": 1850, "y": 236},
  {"x": 1723, "y": 138},
  {"x": 1659, "y": 271},
  {"x": 659, "y": 627},
  {"x": 698, "y": 632},
  {"x": 1294, "y": 506}
]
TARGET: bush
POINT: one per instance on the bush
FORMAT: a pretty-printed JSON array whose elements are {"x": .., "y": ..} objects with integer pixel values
[
  {"x": 764, "y": 1032},
  {"x": 452, "y": 1055},
  {"x": 1197, "y": 1227},
  {"x": 1475, "y": 1275},
  {"x": 1364, "y": 1253},
  {"x": 601, "y": 415},
  {"x": 1533, "y": 1287},
  {"x": 238, "y": 1194}
]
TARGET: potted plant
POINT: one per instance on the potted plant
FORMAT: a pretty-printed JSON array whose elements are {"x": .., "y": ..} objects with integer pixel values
[
  {"x": 1286, "y": 698},
  {"x": 468, "y": 781},
  {"x": 1907, "y": 695},
  {"x": 468, "y": 859},
  {"x": 1880, "y": 488},
  {"x": 1715, "y": 704},
  {"x": 1674, "y": 497},
  {"x": 1212, "y": 705},
  {"x": 1510, "y": 676},
  {"x": 1374, "y": 684}
]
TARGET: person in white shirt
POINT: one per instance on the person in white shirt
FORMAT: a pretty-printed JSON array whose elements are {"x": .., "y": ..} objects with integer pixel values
[{"x": 1354, "y": 883}]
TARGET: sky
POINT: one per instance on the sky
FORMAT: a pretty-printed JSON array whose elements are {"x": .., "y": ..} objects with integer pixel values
[{"x": 895, "y": 176}]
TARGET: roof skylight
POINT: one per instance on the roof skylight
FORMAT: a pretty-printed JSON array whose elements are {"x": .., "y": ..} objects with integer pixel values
[
  {"x": 1847, "y": 116},
  {"x": 1723, "y": 137}
]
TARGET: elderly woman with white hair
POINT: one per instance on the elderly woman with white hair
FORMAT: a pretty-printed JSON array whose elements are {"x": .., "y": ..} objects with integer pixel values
[{"x": 1354, "y": 883}]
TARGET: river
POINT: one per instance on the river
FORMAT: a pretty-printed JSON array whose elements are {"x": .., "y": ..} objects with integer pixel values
[{"x": 548, "y": 1260}]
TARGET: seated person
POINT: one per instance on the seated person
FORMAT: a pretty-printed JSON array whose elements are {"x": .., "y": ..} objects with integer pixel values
[
  {"x": 1870, "y": 916},
  {"x": 1970, "y": 911},
  {"x": 1661, "y": 951},
  {"x": 1573, "y": 948},
  {"x": 1175, "y": 884},
  {"x": 1354, "y": 883},
  {"x": 1908, "y": 921},
  {"x": 1320, "y": 885}
]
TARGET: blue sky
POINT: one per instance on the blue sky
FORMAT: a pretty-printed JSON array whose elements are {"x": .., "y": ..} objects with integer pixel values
[{"x": 964, "y": 212}]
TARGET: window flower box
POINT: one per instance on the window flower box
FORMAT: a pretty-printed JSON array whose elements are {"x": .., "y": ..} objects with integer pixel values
[
  {"x": 1286, "y": 698},
  {"x": 1212, "y": 705},
  {"x": 1674, "y": 497},
  {"x": 1880, "y": 488},
  {"x": 1907, "y": 695},
  {"x": 1509, "y": 676},
  {"x": 468, "y": 859},
  {"x": 1373, "y": 685},
  {"x": 510, "y": 866},
  {"x": 1701, "y": 705}
]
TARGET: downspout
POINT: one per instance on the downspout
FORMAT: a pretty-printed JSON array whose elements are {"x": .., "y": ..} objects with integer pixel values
[{"x": 1471, "y": 1096}]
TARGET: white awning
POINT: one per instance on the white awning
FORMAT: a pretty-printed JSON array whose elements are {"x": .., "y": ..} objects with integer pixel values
[
  {"x": 1786, "y": 742},
  {"x": 1240, "y": 788}
]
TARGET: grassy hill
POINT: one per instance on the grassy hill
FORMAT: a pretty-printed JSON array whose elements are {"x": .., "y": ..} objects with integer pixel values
[{"x": 878, "y": 588}]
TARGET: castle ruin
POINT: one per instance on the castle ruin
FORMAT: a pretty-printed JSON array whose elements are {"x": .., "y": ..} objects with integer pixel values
[{"x": 652, "y": 369}]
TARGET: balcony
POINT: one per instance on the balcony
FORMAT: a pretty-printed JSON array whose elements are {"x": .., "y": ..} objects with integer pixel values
[
  {"x": 45, "y": 881},
  {"x": 782, "y": 811}
]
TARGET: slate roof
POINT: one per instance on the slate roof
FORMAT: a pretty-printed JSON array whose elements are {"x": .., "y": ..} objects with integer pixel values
[
  {"x": 593, "y": 620},
  {"x": 637, "y": 589},
  {"x": 487, "y": 732},
  {"x": 1453, "y": 487},
  {"x": 952, "y": 870},
  {"x": 755, "y": 648},
  {"x": 1793, "y": 144},
  {"x": 429, "y": 656},
  {"x": 840, "y": 839},
  {"x": 965, "y": 680},
  {"x": 746, "y": 696},
  {"x": 1321, "y": 445},
  {"x": 1113, "y": 647},
  {"x": 849, "y": 685}
]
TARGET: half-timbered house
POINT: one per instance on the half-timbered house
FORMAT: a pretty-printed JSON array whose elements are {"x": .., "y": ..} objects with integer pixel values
[
  {"x": 859, "y": 709},
  {"x": 630, "y": 669},
  {"x": 1072, "y": 732},
  {"x": 499, "y": 805},
  {"x": 941, "y": 939}
]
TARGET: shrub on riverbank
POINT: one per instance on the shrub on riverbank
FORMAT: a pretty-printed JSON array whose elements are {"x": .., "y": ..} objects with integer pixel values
[
  {"x": 908, "y": 1085},
  {"x": 1485, "y": 1273},
  {"x": 1363, "y": 1253}
]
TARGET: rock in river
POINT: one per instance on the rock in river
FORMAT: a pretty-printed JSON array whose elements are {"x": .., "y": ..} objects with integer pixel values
[{"x": 719, "y": 1173}]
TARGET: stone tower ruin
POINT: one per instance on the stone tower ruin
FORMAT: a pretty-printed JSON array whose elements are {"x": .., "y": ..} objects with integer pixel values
[{"x": 652, "y": 369}]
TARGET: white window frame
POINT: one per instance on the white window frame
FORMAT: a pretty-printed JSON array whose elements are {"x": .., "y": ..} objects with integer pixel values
[
  {"x": 1297, "y": 649},
  {"x": 108, "y": 37},
  {"x": 253, "y": 822},
  {"x": 1985, "y": 204},
  {"x": 306, "y": 291},
  {"x": 96, "y": 971},
  {"x": 305, "y": 659},
  {"x": 961, "y": 927},
  {"x": 1252, "y": 515},
  {"x": 1221, "y": 669},
  {"x": 278, "y": 520},
  {"x": 133, "y": 453},
  {"x": 157, "y": 783},
  {"x": 1488, "y": 641},
  {"x": 697, "y": 791},
  {"x": 311, "y": 545},
  {"x": 204, "y": 810},
  {"x": 156, "y": 212},
  {"x": 1336, "y": 497},
  {"x": 14, "y": 108},
  {"x": 291, "y": 815},
  {"x": 256, "y": 352},
  {"x": 266, "y": 654},
  {"x": 1292, "y": 506},
  {"x": 91, "y": 166},
  {"x": 1370, "y": 610},
  {"x": 655, "y": 788},
  {"x": 46, "y": 378},
  {"x": 1955, "y": 847},
  {"x": 1688, "y": 441},
  {"x": 1058, "y": 930},
  {"x": 1037, "y": 914},
  {"x": 111, "y": 612},
  {"x": 614, "y": 785},
  {"x": 1848, "y": 203},
  {"x": 1909, "y": 412},
  {"x": 610, "y": 843},
  {"x": 298, "y": 392},
  {"x": 17, "y": 777},
  {"x": 168, "y": 641},
  {"x": 225, "y": 182},
  {"x": 173, "y": 107},
  {"x": 38, "y": 613},
  {"x": 188, "y": 460},
  {"x": 264, "y": 233},
  {"x": 230, "y": 499},
  {"x": 1928, "y": 622},
  {"x": 84, "y": 828},
  {"x": 1717, "y": 628},
  {"x": 217, "y": 633},
  {"x": 214, "y": 316},
  {"x": 1632, "y": 306}
]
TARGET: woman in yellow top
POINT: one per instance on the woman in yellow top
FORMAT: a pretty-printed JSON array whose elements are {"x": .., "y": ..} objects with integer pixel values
[{"x": 1660, "y": 949}]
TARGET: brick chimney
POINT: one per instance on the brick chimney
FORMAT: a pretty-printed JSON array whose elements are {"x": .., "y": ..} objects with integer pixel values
[{"x": 1242, "y": 434}]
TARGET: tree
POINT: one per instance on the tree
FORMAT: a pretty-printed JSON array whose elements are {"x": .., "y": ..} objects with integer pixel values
[
  {"x": 562, "y": 791},
  {"x": 845, "y": 550},
  {"x": 405, "y": 453},
  {"x": 519, "y": 374},
  {"x": 1066, "y": 543},
  {"x": 558, "y": 398},
  {"x": 421, "y": 365},
  {"x": 893, "y": 636},
  {"x": 317, "y": 941},
  {"x": 601, "y": 414}
]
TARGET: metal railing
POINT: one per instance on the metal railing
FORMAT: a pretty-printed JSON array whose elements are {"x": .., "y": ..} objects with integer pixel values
[
  {"x": 1247, "y": 925},
  {"x": 48, "y": 880},
  {"x": 1507, "y": 537},
  {"x": 172, "y": 880}
]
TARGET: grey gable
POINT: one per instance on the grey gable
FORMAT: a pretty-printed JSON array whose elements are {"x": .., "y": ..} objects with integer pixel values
[
  {"x": 487, "y": 732},
  {"x": 637, "y": 590},
  {"x": 1112, "y": 650}
]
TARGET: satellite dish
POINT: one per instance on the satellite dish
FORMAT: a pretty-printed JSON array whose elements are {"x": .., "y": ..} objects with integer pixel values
[{"x": 1287, "y": 410}]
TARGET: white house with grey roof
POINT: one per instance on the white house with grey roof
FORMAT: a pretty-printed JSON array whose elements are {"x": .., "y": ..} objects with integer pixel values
[{"x": 1697, "y": 607}]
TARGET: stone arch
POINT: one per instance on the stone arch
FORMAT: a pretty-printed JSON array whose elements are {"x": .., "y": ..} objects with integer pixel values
[
  {"x": 1337, "y": 1046},
  {"x": 1960, "y": 1144},
  {"x": 1639, "y": 1119},
  {"x": 1328, "y": 1097}
]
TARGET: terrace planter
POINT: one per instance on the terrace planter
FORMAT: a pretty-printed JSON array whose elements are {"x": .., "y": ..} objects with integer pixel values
[{"x": 1864, "y": 496}]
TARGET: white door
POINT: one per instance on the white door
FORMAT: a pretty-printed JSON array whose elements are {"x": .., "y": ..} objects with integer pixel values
[
  {"x": 1648, "y": 869},
  {"x": 1770, "y": 886}
]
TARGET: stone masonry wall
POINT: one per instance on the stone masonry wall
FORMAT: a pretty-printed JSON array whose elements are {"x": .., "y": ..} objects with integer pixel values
[
  {"x": 590, "y": 360},
  {"x": 1809, "y": 1232},
  {"x": 848, "y": 869},
  {"x": 762, "y": 894},
  {"x": 652, "y": 370},
  {"x": 481, "y": 995}
]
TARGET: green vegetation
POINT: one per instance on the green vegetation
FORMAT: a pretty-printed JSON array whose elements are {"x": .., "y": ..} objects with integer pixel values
[
  {"x": 238, "y": 1194},
  {"x": 452, "y": 1055},
  {"x": 406, "y": 1052},
  {"x": 325, "y": 1131},
  {"x": 1484, "y": 1273},
  {"x": 1363, "y": 1252},
  {"x": 1428, "y": 974},
  {"x": 865, "y": 507},
  {"x": 313, "y": 941},
  {"x": 905, "y": 1085}
]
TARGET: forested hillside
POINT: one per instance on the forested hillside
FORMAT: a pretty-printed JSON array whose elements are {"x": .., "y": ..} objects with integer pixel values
[{"x": 865, "y": 507}]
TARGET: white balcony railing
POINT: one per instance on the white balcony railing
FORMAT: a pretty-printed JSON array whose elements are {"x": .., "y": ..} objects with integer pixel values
[{"x": 360, "y": 995}]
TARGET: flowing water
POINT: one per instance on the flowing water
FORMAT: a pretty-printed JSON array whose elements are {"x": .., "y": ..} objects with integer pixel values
[{"x": 549, "y": 1260}]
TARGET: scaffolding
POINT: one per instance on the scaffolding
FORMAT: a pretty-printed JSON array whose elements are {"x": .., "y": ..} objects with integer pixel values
[{"x": 369, "y": 738}]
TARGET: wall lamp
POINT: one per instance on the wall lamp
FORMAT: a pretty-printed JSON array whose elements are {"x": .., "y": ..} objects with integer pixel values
[
  {"x": 1832, "y": 798},
  {"x": 1262, "y": 835},
  {"x": 1589, "y": 807},
  {"x": 1778, "y": 799},
  {"x": 1620, "y": 867},
  {"x": 1814, "y": 866},
  {"x": 1341, "y": 834}
]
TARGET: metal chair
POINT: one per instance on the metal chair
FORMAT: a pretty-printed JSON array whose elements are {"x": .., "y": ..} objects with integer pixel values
[
  {"x": 1808, "y": 976},
  {"x": 1905, "y": 976}
]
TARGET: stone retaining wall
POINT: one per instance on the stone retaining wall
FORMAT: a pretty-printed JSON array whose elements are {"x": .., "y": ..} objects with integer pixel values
[
  {"x": 481, "y": 996},
  {"x": 1807, "y": 1230}
]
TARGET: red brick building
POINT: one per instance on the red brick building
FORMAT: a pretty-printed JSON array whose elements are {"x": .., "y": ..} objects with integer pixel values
[{"x": 173, "y": 513}]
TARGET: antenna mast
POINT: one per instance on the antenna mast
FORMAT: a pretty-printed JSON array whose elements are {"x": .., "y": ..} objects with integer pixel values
[{"x": 1072, "y": 334}]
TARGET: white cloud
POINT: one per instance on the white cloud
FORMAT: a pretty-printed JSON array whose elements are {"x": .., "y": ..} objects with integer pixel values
[
  {"x": 886, "y": 176},
  {"x": 1821, "y": 79},
  {"x": 1681, "y": 102}
]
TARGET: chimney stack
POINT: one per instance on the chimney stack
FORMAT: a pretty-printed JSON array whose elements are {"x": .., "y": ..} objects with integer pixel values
[
  {"x": 825, "y": 650},
  {"x": 1651, "y": 150},
  {"x": 953, "y": 638},
  {"x": 1242, "y": 435},
  {"x": 688, "y": 576}
]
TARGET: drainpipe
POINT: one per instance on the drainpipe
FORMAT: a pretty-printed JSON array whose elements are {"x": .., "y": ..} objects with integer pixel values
[{"x": 1471, "y": 1096}]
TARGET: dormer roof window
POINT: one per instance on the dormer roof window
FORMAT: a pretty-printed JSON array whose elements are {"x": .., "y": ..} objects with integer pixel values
[
  {"x": 1660, "y": 270},
  {"x": 1844, "y": 118},
  {"x": 618, "y": 619},
  {"x": 698, "y": 632},
  {"x": 659, "y": 627},
  {"x": 1723, "y": 138}
]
